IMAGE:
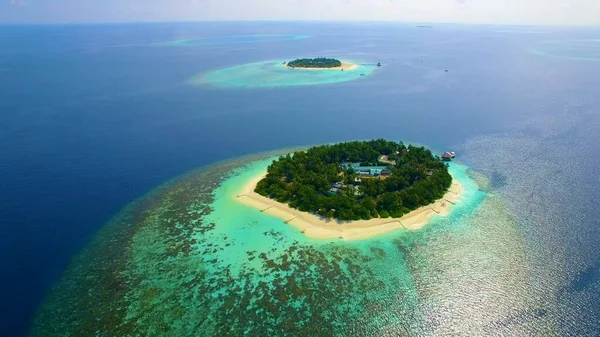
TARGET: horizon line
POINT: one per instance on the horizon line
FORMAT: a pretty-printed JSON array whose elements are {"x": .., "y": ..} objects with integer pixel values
[{"x": 98, "y": 23}]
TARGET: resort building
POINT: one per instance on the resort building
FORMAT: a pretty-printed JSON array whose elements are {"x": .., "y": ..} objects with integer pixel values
[
  {"x": 334, "y": 190},
  {"x": 385, "y": 159},
  {"x": 366, "y": 171},
  {"x": 386, "y": 173}
]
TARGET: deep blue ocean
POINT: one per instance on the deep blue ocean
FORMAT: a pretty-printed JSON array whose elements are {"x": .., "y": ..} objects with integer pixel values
[{"x": 94, "y": 116}]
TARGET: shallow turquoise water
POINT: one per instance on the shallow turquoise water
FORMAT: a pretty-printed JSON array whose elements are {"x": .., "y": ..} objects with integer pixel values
[
  {"x": 230, "y": 213},
  {"x": 274, "y": 74},
  {"x": 584, "y": 50},
  {"x": 225, "y": 40},
  {"x": 190, "y": 260}
]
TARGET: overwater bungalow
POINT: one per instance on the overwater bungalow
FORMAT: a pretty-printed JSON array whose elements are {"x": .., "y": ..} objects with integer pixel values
[{"x": 446, "y": 156}]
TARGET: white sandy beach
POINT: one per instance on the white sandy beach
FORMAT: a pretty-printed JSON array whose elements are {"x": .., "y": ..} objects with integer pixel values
[
  {"x": 318, "y": 227},
  {"x": 344, "y": 66}
]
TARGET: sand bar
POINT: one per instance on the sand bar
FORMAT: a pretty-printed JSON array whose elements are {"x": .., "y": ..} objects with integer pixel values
[
  {"x": 317, "y": 227},
  {"x": 344, "y": 66}
]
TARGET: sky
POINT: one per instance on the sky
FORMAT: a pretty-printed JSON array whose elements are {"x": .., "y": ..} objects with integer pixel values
[{"x": 527, "y": 12}]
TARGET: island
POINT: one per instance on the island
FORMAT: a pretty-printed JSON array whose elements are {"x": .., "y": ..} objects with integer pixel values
[
  {"x": 354, "y": 190},
  {"x": 321, "y": 63}
]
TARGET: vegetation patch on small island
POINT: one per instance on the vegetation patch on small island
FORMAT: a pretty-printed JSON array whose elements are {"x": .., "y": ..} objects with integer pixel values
[
  {"x": 319, "y": 62},
  {"x": 357, "y": 180}
]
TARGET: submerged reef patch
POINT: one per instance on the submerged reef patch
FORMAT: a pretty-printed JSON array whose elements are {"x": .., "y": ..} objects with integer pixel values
[{"x": 189, "y": 260}]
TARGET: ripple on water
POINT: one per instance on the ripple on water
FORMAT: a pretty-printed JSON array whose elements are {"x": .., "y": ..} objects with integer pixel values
[
  {"x": 276, "y": 74},
  {"x": 189, "y": 260}
]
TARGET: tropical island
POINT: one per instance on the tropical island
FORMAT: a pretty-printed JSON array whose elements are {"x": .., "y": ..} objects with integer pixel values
[
  {"x": 319, "y": 62},
  {"x": 322, "y": 63},
  {"x": 354, "y": 190},
  {"x": 357, "y": 180}
]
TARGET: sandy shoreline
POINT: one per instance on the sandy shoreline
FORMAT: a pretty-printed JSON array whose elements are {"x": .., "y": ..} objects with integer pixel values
[
  {"x": 344, "y": 66},
  {"x": 317, "y": 227}
]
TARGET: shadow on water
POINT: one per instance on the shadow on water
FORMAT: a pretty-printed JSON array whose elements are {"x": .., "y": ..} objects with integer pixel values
[
  {"x": 585, "y": 278},
  {"x": 497, "y": 180}
]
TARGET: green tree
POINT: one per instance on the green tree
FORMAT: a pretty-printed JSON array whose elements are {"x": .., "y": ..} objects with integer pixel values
[
  {"x": 319, "y": 62},
  {"x": 303, "y": 180}
]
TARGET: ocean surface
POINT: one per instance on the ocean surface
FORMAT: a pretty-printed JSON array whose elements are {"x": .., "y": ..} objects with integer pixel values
[{"x": 103, "y": 128}]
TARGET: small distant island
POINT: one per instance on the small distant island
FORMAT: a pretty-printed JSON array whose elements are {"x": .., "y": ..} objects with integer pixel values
[
  {"x": 357, "y": 180},
  {"x": 320, "y": 63}
]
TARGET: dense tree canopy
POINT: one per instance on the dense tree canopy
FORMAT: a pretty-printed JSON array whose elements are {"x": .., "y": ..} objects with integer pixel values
[
  {"x": 304, "y": 180},
  {"x": 319, "y": 62}
]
